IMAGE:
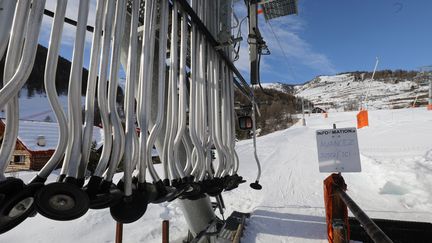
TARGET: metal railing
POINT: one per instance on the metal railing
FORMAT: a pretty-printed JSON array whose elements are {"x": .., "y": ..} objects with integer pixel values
[
  {"x": 374, "y": 232},
  {"x": 337, "y": 203}
]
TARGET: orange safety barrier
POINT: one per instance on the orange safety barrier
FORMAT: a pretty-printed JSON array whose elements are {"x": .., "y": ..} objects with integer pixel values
[
  {"x": 429, "y": 107},
  {"x": 335, "y": 208},
  {"x": 362, "y": 119}
]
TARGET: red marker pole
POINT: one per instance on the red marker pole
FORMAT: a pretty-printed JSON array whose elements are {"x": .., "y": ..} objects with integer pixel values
[
  {"x": 165, "y": 231},
  {"x": 119, "y": 233}
]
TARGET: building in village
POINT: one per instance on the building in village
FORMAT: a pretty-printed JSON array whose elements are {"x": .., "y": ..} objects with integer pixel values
[{"x": 36, "y": 143}]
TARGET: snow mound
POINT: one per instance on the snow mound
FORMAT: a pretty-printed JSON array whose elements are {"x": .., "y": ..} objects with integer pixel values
[{"x": 393, "y": 189}]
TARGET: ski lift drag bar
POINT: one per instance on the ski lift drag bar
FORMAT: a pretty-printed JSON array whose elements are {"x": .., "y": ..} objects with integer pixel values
[{"x": 243, "y": 85}]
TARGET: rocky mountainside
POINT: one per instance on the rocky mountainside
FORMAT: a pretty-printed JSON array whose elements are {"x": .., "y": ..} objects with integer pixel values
[{"x": 347, "y": 91}]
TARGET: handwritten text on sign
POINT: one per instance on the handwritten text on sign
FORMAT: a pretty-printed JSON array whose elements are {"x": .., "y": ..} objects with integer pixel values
[{"x": 338, "y": 150}]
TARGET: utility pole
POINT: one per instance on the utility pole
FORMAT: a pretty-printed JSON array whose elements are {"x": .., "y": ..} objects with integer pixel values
[
  {"x": 303, "y": 115},
  {"x": 430, "y": 95}
]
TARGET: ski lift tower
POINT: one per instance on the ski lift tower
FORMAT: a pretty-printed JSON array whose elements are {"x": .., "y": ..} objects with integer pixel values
[
  {"x": 271, "y": 9},
  {"x": 426, "y": 74},
  {"x": 257, "y": 47}
]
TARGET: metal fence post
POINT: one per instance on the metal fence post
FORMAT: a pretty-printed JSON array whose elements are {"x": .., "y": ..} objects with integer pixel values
[
  {"x": 119, "y": 233},
  {"x": 165, "y": 231}
]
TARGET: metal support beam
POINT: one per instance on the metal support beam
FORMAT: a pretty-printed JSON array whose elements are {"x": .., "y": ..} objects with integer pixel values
[
  {"x": 211, "y": 39},
  {"x": 253, "y": 41}
]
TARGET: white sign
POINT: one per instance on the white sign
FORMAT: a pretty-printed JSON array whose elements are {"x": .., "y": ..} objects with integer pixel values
[{"x": 338, "y": 150}]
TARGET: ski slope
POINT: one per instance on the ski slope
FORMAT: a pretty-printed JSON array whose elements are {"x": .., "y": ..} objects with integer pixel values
[{"x": 396, "y": 155}]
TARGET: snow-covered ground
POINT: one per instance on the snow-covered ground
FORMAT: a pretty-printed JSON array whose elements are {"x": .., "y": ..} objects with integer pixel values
[
  {"x": 396, "y": 155},
  {"x": 343, "y": 92},
  {"x": 38, "y": 108}
]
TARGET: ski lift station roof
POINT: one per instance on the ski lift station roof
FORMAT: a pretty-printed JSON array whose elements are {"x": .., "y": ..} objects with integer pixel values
[
  {"x": 278, "y": 8},
  {"x": 30, "y": 131}
]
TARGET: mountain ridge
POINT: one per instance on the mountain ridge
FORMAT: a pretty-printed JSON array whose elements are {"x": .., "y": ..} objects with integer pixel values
[{"x": 390, "y": 89}]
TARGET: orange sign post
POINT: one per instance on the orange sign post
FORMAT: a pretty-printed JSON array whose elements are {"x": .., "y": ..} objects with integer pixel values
[
  {"x": 362, "y": 119},
  {"x": 338, "y": 229}
]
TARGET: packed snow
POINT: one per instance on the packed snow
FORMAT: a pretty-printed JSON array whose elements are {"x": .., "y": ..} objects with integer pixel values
[{"x": 395, "y": 182}]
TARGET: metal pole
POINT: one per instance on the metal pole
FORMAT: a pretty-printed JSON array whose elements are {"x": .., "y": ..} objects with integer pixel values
[
  {"x": 376, "y": 65},
  {"x": 253, "y": 50},
  {"x": 254, "y": 140},
  {"x": 302, "y": 103},
  {"x": 303, "y": 115},
  {"x": 373, "y": 75},
  {"x": 430, "y": 95},
  {"x": 165, "y": 231},
  {"x": 119, "y": 233},
  {"x": 374, "y": 232}
]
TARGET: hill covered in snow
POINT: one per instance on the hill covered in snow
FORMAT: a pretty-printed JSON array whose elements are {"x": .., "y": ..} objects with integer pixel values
[
  {"x": 388, "y": 90},
  {"x": 282, "y": 87}
]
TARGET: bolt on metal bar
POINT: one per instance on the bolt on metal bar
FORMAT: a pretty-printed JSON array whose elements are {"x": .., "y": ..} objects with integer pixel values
[{"x": 374, "y": 232}]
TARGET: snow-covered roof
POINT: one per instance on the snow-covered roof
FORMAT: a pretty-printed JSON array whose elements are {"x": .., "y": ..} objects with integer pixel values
[{"x": 29, "y": 131}]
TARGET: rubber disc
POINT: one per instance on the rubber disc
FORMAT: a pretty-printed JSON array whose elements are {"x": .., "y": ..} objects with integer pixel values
[
  {"x": 106, "y": 199},
  {"x": 18, "y": 207},
  {"x": 130, "y": 208},
  {"x": 62, "y": 201}
]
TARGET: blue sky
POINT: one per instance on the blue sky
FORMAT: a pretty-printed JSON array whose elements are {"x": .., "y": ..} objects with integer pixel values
[
  {"x": 327, "y": 37},
  {"x": 333, "y": 36}
]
